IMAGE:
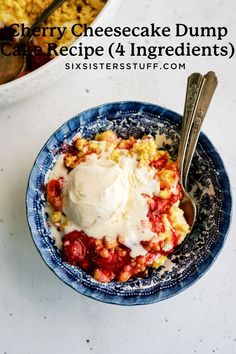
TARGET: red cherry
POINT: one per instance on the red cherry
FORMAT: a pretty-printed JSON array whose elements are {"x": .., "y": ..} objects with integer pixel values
[
  {"x": 54, "y": 195},
  {"x": 106, "y": 263},
  {"x": 78, "y": 235},
  {"x": 75, "y": 248},
  {"x": 72, "y": 236},
  {"x": 161, "y": 204},
  {"x": 73, "y": 252},
  {"x": 160, "y": 163}
]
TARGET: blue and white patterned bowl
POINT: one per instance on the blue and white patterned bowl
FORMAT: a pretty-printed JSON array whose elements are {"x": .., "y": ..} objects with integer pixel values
[{"x": 208, "y": 182}]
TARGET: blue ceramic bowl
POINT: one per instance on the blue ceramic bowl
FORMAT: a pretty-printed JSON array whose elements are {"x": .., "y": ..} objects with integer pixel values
[{"x": 208, "y": 182}]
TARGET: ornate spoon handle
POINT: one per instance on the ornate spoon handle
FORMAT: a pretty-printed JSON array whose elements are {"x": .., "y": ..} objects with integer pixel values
[
  {"x": 194, "y": 87},
  {"x": 209, "y": 85}
]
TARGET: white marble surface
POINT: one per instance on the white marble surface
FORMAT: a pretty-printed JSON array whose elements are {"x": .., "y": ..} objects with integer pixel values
[{"x": 38, "y": 313}]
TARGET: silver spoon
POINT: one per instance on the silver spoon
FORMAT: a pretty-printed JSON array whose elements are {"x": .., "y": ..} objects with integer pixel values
[
  {"x": 11, "y": 66},
  {"x": 200, "y": 90},
  {"x": 204, "y": 101}
]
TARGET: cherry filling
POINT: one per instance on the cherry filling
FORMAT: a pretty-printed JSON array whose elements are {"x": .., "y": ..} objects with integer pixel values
[
  {"x": 113, "y": 262},
  {"x": 106, "y": 264},
  {"x": 35, "y": 61},
  {"x": 107, "y": 261},
  {"x": 75, "y": 247},
  {"x": 160, "y": 163},
  {"x": 81, "y": 250}
]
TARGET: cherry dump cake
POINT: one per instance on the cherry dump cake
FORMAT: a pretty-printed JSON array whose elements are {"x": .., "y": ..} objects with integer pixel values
[{"x": 113, "y": 205}]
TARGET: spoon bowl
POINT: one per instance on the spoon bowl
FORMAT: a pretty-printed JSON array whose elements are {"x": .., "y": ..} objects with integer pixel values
[
  {"x": 10, "y": 65},
  {"x": 189, "y": 208}
]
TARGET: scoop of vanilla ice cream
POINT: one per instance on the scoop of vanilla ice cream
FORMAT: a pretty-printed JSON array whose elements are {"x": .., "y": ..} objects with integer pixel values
[
  {"x": 95, "y": 193},
  {"x": 104, "y": 198}
]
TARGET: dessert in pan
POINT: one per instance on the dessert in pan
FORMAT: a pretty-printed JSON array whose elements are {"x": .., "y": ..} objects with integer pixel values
[{"x": 16, "y": 17}]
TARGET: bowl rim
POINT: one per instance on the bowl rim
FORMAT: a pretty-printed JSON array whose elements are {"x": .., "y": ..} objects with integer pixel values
[
  {"x": 202, "y": 268},
  {"x": 58, "y": 59}
]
